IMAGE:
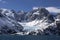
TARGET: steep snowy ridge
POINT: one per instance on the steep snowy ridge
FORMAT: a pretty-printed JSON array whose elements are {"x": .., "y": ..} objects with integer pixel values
[
  {"x": 7, "y": 24},
  {"x": 39, "y": 21}
]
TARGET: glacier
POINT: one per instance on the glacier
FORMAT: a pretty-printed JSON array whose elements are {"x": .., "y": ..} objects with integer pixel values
[{"x": 39, "y": 21}]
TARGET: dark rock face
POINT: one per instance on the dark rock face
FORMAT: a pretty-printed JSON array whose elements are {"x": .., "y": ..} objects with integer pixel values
[
  {"x": 1, "y": 14},
  {"x": 43, "y": 12},
  {"x": 32, "y": 33},
  {"x": 51, "y": 19},
  {"x": 52, "y": 31},
  {"x": 58, "y": 21},
  {"x": 58, "y": 24},
  {"x": 20, "y": 16},
  {"x": 49, "y": 31}
]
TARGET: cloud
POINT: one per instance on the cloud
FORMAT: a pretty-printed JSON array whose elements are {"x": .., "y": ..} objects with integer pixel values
[
  {"x": 53, "y": 9},
  {"x": 35, "y": 8},
  {"x": 2, "y": 1}
]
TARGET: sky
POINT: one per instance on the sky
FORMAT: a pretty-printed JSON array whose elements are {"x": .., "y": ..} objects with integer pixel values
[{"x": 27, "y": 5}]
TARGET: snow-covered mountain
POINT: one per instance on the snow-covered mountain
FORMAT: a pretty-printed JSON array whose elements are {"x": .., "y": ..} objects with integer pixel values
[
  {"x": 8, "y": 24},
  {"x": 39, "y": 21}
]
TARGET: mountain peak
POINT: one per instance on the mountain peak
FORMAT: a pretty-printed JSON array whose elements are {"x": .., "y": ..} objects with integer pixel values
[{"x": 37, "y": 19}]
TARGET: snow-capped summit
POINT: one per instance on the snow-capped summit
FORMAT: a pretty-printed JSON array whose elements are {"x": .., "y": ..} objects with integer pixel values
[{"x": 39, "y": 21}]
